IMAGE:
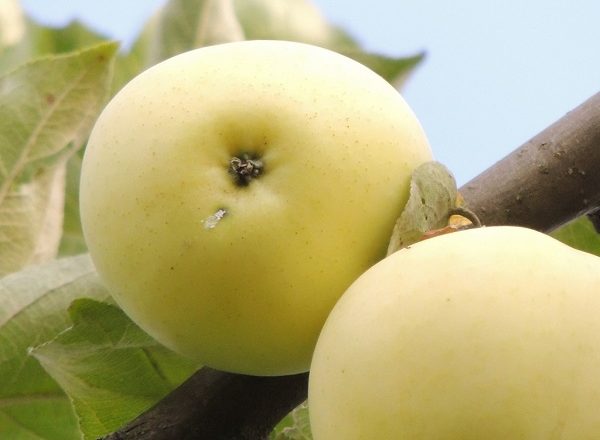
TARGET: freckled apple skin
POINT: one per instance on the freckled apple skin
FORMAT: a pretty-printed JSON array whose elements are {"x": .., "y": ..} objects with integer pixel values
[
  {"x": 491, "y": 334},
  {"x": 250, "y": 294}
]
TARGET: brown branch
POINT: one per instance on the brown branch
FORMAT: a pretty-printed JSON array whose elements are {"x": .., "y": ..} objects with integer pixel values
[
  {"x": 213, "y": 405},
  {"x": 549, "y": 180}
]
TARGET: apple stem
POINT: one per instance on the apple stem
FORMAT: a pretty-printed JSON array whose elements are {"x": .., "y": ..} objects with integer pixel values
[
  {"x": 245, "y": 168},
  {"x": 466, "y": 213}
]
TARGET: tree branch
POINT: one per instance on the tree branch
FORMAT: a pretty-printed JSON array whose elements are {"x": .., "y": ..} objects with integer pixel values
[
  {"x": 548, "y": 181},
  {"x": 213, "y": 405}
]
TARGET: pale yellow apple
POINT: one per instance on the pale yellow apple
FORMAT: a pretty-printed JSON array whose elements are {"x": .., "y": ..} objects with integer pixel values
[
  {"x": 486, "y": 334},
  {"x": 242, "y": 277}
]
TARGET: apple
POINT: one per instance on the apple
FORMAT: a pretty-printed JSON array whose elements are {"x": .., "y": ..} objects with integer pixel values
[
  {"x": 489, "y": 333},
  {"x": 231, "y": 194}
]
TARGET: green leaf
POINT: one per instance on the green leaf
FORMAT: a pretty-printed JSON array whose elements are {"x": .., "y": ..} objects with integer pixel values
[
  {"x": 38, "y": 40},
  {"x": 183, "y": 25},
  {"x": 580, "y": 234},
  {"x": 72, "y": 37},
  {"x": 72, "y": 240},
  {"x": 33, "y": 309},
  {"x": 110, "y": 368},
  {"x": 47, "y": 108},
  {"x": 433, "y": 195},
  {"x": 301, "y": 20},
  {"x": 133, "y": 62},
  {"x": 31, "y": 219},
  {"x": 395, "y": 70},
  {"x": 295, "y": 426},
  {"x": 293, "y": 20},
  {"x": 43, "y": 417}
]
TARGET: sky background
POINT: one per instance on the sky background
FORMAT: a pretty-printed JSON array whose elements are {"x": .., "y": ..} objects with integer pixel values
[{"x": 496, "y": 73}]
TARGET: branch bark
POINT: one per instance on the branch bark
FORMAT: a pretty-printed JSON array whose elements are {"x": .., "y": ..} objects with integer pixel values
[
  {"x": 551, "y": 179},
  {"x": 548, "y": 181},
  {"x": 213, "y": 405}
]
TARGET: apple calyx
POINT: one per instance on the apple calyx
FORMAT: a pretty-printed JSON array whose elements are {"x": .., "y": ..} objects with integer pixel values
[{"x": 245, "y": 168}]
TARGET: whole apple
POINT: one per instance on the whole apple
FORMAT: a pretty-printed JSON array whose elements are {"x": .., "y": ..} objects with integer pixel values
[
  {"x": 231, "y": 194},
  {"x": 489, "y": 333}
]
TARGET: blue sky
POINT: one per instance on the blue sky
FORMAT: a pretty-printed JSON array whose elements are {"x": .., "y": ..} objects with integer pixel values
[{"x": 496, "y": 73}]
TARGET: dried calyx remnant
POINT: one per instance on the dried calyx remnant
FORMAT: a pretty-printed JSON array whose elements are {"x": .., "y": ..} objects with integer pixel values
[{"x": 244, "y": 167}]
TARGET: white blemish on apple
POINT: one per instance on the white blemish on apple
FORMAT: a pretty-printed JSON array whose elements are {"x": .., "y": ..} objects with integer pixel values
[{"x": 213, "y": 220}]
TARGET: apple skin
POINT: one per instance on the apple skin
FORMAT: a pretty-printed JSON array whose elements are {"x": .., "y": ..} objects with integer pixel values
[
  {"x": 248, "y": 292},
  {"x": 489, "y": 333}
]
